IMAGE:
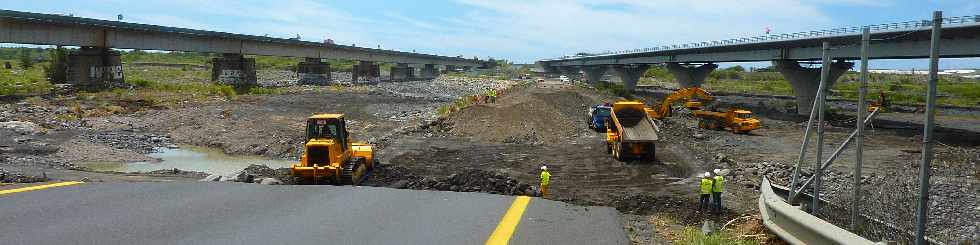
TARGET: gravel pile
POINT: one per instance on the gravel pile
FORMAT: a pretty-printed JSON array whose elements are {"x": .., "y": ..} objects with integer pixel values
[
  {"x": 276, "y": 78},
  {"x": 12, "y": 177},
  {"x": 137, "y": 141},
  {"x": 473, "y": 180}
]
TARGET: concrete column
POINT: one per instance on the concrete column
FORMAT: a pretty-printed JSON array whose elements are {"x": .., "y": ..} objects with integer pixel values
[
  {"x": 234, "y": 69},
  {"x": 93, "y": 68},
  {"x": 594, "y": 73},
  {"x": 429, "y": 71},
  {"x": 630, "y": 74},
  {"x": 367, "y": 71},
  {"x": 689, "y": 76},
  {"x": 402, "y": 72},
  {"x": 313, "y": 71},
  {"x": 806, "y": 81}
]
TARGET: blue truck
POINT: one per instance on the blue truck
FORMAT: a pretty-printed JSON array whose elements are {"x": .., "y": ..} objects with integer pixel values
[{"x": 598, "y": 116}]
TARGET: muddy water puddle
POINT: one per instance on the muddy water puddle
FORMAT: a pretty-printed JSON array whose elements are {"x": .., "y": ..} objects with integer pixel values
[{"x": 189, "y": 158}]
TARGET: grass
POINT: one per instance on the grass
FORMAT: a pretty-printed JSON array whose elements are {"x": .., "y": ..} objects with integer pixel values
[
  {"x": 17, "y": 81},
  {"x": 615, "y": 89},
  {"x": 694, "y": 236}
]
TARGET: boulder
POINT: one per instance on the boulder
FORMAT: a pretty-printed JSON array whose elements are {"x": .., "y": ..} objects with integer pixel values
[
  {"x": 213, "y": 177},
  {"x": 270, "y": 181},
  {"x": 23, "y": 128}
]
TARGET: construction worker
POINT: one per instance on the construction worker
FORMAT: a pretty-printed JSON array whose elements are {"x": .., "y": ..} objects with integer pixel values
[
  {"x": 705, "y": 190},
  {"x": 716, "y": 189},
  {"x": 545, "y": 180},
  {"x": 493, "y": 95}
]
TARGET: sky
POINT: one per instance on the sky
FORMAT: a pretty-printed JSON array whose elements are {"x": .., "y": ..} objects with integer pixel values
[{"x": 521, "y": 31}]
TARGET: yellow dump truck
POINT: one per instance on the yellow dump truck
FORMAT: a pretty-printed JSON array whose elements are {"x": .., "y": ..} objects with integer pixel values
[
  {"x": 330, "y": 155},
  {"x": 736, "y": 120},
  {"x": 632, "y": 133}
]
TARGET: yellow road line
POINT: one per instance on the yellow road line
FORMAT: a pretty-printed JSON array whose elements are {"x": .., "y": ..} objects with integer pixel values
[
  {"x": 38, "y": 187},
  {"x": 501, "y": 235}
]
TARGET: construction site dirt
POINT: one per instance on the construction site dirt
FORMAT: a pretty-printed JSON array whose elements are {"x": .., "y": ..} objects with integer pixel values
[{"x": 486, "y": 147}]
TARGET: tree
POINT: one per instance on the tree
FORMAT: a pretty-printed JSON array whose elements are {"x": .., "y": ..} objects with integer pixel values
[
  {"x": 736, "y": 68},
  {"x": 659, "y": 72},
  {"x": 56, "y": 70},
  {"x": 25, "y": 59}
]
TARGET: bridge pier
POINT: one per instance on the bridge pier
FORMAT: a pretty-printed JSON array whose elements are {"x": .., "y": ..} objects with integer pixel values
[
  {"x": 313, "y": 71},
  {"x": 429, "y": 71},
  {"x": 689, "y": 76},
  {"x": 234, "y": 69},
  {"x": 402, "y": 72},
  {"x": 806, "y": 81},
  {"x": 630, "y": 74},
  {"x": 593, "y": 73},
  {"x": 95, "y": 68},
  {"x": 366, "y": 70}
]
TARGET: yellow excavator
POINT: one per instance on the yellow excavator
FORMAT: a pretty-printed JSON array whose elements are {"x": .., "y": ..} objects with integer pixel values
[
  {"x": 664, "y": 108},
  {"x": 330, "y": 155}
]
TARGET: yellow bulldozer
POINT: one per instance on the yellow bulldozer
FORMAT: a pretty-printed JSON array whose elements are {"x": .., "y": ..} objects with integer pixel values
[
  {"x": 330, "y": 155},
  {"x": 664, "y": 109}
]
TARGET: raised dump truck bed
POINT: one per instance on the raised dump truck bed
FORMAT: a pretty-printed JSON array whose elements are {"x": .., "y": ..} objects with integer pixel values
[
  {"x": 634, "y": 123},
  {"x": 632, "y": 132}
]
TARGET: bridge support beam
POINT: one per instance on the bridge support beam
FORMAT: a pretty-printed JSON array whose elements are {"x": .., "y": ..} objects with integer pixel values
[
  {"x": 366, "y": 71},
  {"x": 429, "y": 71},
  {"x": 806, "y": 81},
  {"x": 402, "y": 72},
  {"x": 94, "y": 68},
  {"x": 313, "y": 71},
  {"x": 690, "y": 76},
  {"x": 594, "y": 73},
  {"x": 234, "y": 69},
  {"x": 630, "y": 74}
]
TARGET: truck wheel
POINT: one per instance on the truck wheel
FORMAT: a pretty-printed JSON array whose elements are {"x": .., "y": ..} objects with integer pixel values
[
  {"x": 620, "y": 154},
  {"x": 651, "y": 153}
]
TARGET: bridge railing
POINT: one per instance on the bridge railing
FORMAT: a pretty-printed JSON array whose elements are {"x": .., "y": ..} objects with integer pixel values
[{"x": 907, "y": 25}]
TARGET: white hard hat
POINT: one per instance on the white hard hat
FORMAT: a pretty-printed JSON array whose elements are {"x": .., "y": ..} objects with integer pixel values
[
  {"x": 706, "y": 174},
  {"x": 717, "y": 171},
  {"x": 544, "y": 167}
]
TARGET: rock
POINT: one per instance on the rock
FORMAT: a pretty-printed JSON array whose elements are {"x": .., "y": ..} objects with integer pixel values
[
  {"x": 233, "y": 176},
  {"x": 401, "y": 184},
  {"x": 270, "y": 181},
  {"x": 213, "y": 177},
  {"x": 23, "y": 127},
  {"x": 699, "y": 136}
]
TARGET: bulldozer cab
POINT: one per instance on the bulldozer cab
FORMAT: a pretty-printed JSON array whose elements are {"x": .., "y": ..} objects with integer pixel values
[{"x": 327, "y": 126}]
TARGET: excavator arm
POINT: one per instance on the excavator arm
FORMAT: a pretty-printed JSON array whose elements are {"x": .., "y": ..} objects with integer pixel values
[{"x": 663, "y": 109}]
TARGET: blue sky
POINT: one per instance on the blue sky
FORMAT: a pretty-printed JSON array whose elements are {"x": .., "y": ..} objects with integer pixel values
[{"x": 517, "y": 30}]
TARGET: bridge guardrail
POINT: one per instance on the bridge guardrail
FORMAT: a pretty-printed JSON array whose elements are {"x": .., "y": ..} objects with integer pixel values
[
  {"x": 798, "y": 227},
  {"x": 907, "y": 25}
]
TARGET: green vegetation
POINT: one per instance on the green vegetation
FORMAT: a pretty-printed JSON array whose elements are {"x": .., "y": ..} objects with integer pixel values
[
  {"x": 899, "y": 89},
  {"x": 25, "y": 60},
  {"x": 19, "y": 81},
  {"x": 695, "y": 236},
  {"x": 615, "y": 89}
]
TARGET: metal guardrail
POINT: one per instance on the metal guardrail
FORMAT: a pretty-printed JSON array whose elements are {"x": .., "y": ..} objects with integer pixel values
[
  {"x": 798, "y": 227},
  {"x": 907, "y": 25}
]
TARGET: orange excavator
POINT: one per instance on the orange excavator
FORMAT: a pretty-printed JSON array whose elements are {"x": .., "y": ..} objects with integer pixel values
[{"x": 664, "y": 108}]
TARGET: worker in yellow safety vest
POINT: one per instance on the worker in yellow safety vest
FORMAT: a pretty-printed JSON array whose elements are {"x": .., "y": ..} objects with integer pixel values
[
  {"x": 705, "y": 190},
  {"x": 493, "y": 95},
  {"x": 545, "y": 180},
  {"x": 716, "y": 189}
]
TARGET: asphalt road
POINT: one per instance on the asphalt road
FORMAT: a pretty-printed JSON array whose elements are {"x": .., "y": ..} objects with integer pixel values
[{"x": 233, "y": 213}]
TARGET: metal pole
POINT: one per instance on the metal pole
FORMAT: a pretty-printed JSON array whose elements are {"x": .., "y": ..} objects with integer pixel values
[
  {"x": 859, "y": 151},
  {"x": 830, "y": 160},
  {"x": 817, "y": 170},
  {"x": 806, "y": 141},
  {"x": 922, "y": 210}
]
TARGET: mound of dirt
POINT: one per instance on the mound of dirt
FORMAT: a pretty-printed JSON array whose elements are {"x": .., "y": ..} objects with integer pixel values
[
  {"x": 471, "y": 180},
  {"x": 526, "y": 117}
]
